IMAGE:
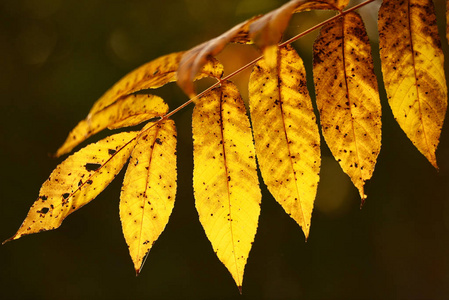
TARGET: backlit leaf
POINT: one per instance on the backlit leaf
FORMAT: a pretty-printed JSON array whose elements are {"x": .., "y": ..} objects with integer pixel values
[
  {"x": 413, "y": 71},
  {"x": 127, "y": 111},
  {"x": 153, "y": 75},
  {"x": 77, "y": 181},
  {"x": 347, "y": 97},
  {"x": 149, "y": 189},
  {"x": 286, "y": 134},
  {"x": 225, "y": 181}
]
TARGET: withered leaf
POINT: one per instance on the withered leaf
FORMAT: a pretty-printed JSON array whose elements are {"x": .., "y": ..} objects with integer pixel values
[{"x": 194, "y": 59}]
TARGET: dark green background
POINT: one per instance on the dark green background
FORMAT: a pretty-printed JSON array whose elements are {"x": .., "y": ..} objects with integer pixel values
[{"x": 58, "y": 56}]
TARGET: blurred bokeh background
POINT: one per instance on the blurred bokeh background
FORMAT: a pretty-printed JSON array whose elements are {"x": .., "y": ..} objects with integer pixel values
[{"x": 58, "y": 56}]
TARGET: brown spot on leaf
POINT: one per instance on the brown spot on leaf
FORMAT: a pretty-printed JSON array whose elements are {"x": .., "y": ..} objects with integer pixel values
[{"x": 92, "y": 167}]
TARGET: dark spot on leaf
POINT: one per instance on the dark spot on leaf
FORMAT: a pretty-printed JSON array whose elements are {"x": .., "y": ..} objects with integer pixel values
[
  {"x": 44, "y": 210},
  {"x": 111, "y": 151},
  {"x": 158, "y": 141},
  {"x": 66, "y": 195},
  {"x": 92, "y": 167}
]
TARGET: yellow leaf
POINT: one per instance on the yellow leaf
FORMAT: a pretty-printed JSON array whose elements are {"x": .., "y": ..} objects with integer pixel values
[
  {"x": 127, "y": 111},
  {"x": 153, "y": 75},
  {"x": 77, "y": 181},
  {"x": 413, "y": 70},
  {"x": 149, "y": 189},
  {"x": 347, "y": 97},
  {"x": 225, "y": 181},
  {"x": 286, "y": 134}
]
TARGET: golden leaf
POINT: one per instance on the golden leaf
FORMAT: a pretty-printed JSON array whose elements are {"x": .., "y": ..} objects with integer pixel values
[
  {"x": 347, "y": 97},
  {"x": 225, "y": 181},
  {"x": 127, "y": 111},
  {"x": 413, "y": 71},
  {"x": 286, "y": 134},
  {"x": 153, "y": 75},
  {"x": 149, "y": 189},
  {"x": 77, "y": 181}
]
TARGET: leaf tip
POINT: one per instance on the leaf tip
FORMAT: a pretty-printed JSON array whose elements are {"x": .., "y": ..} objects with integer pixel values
[
  {"x": 138, "y": 269},
  {"x": 363, "y": 197},
  {"x": 240, "y": 289},
  {"x": 306, "y": 230},
  {"x": 434, "y": 163},
  {"x": 10, "y": 239}
]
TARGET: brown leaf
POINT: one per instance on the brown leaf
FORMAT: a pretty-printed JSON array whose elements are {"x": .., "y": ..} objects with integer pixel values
[
  {"x": 268, "y": 30},
  {"x": 194, "y": 59}
]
